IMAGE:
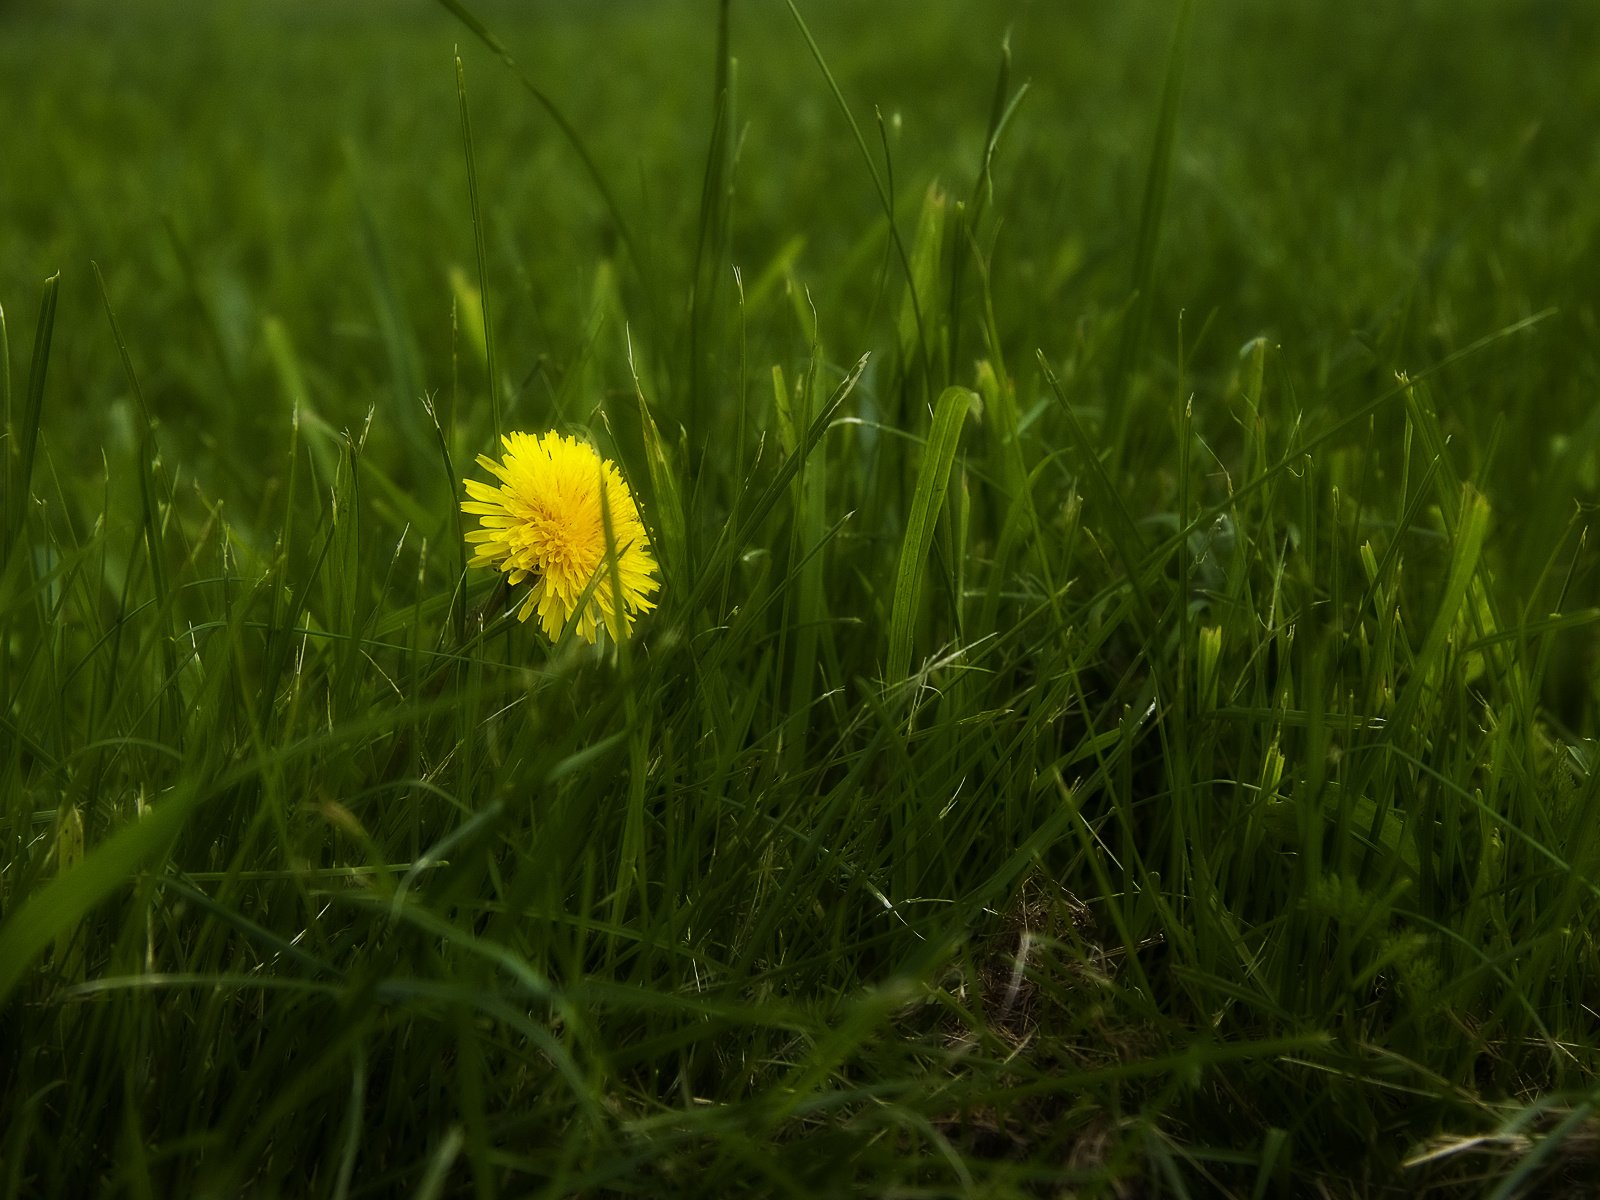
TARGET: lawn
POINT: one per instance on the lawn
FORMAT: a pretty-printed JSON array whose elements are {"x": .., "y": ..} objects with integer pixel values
[{"x": 1119, "y": 713}]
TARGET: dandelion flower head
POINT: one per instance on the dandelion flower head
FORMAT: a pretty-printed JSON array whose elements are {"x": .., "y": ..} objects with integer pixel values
[{"x": 546, "y": 522}]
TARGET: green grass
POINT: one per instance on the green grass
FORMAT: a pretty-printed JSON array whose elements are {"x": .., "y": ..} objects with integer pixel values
[{"x": 1121, "y": 715}]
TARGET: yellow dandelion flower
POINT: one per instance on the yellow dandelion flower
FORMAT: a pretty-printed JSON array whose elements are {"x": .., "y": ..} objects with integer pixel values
[{"x": 545, "y": 522}]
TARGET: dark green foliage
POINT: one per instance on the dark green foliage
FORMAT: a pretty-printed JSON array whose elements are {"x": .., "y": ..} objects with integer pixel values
[{"x": 1121, "y": 714}]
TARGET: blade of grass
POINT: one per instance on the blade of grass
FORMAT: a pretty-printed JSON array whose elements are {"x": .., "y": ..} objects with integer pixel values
[
  {"x": 568, "y": 130},
  {"x": 155, "y": 502},
  {"x": 711, "y": 235},
  {"x": 57, "y": 908},
  {"x": 495, "y": 422},
  {"x": 5, "y": 405},
  {"x": 732, "y": 541},
  {"x": 927, "y": 501},
  {"x": 805, "y": 602},
  {"x": 396, "y": 331},
  {"x": 670, "y": 521},
  {"x": 877, "y": 182},
  {"x": 1532, "y": 1164},
  {"x": 22, "y": 438},
  {"x": 1150, "y": 213},
  {"x": 1123, "y": 532}
]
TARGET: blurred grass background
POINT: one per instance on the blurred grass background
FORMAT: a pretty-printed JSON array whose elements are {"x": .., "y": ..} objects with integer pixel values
[{"x": 1407, "y": 178}]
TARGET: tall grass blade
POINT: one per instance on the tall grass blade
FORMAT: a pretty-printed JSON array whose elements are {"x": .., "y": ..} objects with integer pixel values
[
  {"x": 1151, "y": 208},
  {"x": 665, "y": 487},
  {"x": 1122, "y": 531},
  {"x": 495, "y": 423},
  {"x": 711, "y": 235},
  {"x": 155, "y": 501},
  {"x": 22, "y": 438},
  {"x": 884, "y": 196},
  {"x": 5, "y": 396},
  {"x": 1471, "y": 527},
  {"x": 395, "y": 326},
  {"x": 568, "y": 130},
  {"x": 733, "y": 540},
  {"x": 805, "y": 600},
  {"x": 927, "y": 501}
]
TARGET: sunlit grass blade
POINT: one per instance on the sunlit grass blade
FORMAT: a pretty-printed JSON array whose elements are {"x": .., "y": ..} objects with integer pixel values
[{"x": 927, "y": 502}]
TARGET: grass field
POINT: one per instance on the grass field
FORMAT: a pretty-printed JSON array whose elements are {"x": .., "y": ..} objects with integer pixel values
[{"x": 1120, "y": 714}]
